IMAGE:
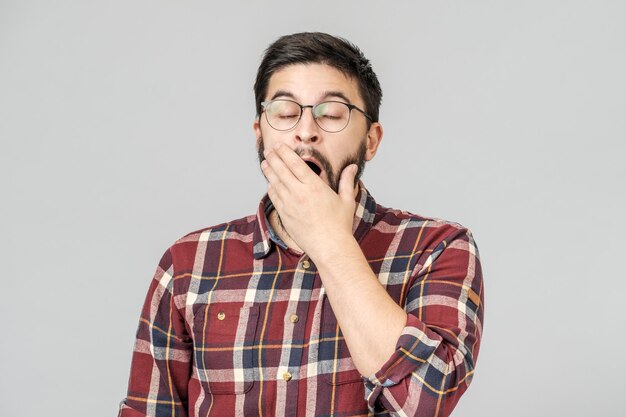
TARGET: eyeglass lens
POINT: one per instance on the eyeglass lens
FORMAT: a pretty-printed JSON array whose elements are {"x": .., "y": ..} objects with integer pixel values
[{"x": 332, "y": 116}]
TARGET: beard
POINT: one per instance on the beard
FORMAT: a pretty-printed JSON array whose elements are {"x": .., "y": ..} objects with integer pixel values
[{"x": 357, "y": 158}]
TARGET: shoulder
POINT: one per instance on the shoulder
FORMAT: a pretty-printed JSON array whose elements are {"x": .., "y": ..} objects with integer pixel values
[
  {"x": 427, "y": 240},
  {"x": 429, "y": 230},
  {"x": 184, "y": 249}
]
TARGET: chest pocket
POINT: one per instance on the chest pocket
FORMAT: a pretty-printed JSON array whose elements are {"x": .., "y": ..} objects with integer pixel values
[
  {"x": 224, "y": 339},
  {"x": 334, "y": 361}
]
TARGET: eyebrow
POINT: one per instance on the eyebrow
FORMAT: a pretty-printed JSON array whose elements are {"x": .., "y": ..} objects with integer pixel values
[
  {"x": 283, "y": 93},
  {"x": 326, "y": 95}
]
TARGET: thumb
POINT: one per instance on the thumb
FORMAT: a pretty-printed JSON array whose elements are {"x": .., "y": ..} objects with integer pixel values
[{"x": 346, "y": 182}]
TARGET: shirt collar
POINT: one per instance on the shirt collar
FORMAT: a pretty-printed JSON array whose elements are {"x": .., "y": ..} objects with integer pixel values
[{"x": 265, "y": 238}]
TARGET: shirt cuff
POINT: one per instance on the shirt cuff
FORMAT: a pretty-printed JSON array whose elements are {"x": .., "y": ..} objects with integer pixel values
[
  {"x": 126, "y": 411},
  {"x": 415, "y": 346}
]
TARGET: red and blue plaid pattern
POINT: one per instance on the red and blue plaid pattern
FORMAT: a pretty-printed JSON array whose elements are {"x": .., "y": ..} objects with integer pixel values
[{"x": 235, "y": 324}]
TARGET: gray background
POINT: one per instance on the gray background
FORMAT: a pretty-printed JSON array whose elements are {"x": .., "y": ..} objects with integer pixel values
[{"x": 126, "y": 124}]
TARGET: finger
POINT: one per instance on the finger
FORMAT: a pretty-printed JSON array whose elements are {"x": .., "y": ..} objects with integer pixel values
[
  {"x": 274, "y": 180},
  {"x": 269, "y": 173},
  {"x": 277, "y": 192},
  {"x": 271, "y": 193},
  {"x": 296, "y": 165},
  {"x": 347, "y": 190},
  {"x": 281, "y": 170}
]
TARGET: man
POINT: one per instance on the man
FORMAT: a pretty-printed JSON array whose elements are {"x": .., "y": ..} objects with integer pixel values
[{"x": 323, "y": 303}]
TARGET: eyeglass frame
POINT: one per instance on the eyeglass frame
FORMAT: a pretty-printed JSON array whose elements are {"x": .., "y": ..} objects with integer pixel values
[{"x": 312, "y": 107}]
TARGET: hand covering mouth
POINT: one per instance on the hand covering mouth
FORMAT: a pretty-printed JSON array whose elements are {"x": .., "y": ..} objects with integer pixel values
[{"x": 314, "y": 167}]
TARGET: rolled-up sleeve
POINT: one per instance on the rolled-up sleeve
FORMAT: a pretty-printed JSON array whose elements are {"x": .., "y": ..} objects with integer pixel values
[
  {"x": 161, "y": 362},
  {"x": 434, "y": 360}
]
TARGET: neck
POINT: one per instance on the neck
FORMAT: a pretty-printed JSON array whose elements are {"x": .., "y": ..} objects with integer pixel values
[{"x": 277, "y": 225}]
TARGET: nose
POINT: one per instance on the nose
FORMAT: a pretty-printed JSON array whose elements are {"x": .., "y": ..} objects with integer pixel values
[{"x": 307, "y": 129}]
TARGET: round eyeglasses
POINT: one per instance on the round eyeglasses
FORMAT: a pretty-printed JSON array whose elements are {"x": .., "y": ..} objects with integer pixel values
[{"x": 330, "y": 116}]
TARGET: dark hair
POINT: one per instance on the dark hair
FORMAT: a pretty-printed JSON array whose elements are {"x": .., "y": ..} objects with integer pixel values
[{"x": 320, "y": 48}]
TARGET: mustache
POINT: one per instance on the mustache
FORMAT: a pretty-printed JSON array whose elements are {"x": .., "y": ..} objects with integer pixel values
[{"x": 333, "y": 180}]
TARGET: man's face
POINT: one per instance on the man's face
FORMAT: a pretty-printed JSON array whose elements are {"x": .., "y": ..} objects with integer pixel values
[{"x": 310, "y": 84}]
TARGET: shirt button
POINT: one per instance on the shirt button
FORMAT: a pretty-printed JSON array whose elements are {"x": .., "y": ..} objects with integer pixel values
[
  {"x": 287, "y": 376},
  {"x": 293, "y": 318},
  {"x": 221, "y": 315},
  {"x": 306, "y": 264}
]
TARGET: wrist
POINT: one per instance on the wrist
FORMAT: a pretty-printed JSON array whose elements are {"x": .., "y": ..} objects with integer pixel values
[{"x": 336, "y": 250}]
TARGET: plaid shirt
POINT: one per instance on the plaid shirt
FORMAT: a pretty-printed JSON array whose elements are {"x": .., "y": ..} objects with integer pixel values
[{"x": 236, "y": 324}]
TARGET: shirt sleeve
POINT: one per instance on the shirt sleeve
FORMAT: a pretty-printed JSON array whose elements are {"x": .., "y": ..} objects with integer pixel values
[
  {"x": 435, "y": 355},
  {"x": 161, "y": 362}
]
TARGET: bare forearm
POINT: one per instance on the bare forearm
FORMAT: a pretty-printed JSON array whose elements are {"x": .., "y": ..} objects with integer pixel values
[
  {"x": 370, "y": 320},
  {"x": 320, "y": 221}
]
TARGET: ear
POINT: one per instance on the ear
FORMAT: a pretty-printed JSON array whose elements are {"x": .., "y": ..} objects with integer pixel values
[
  {"x": 374, "y": 137},
  {"x": 256, "y": 126}
]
